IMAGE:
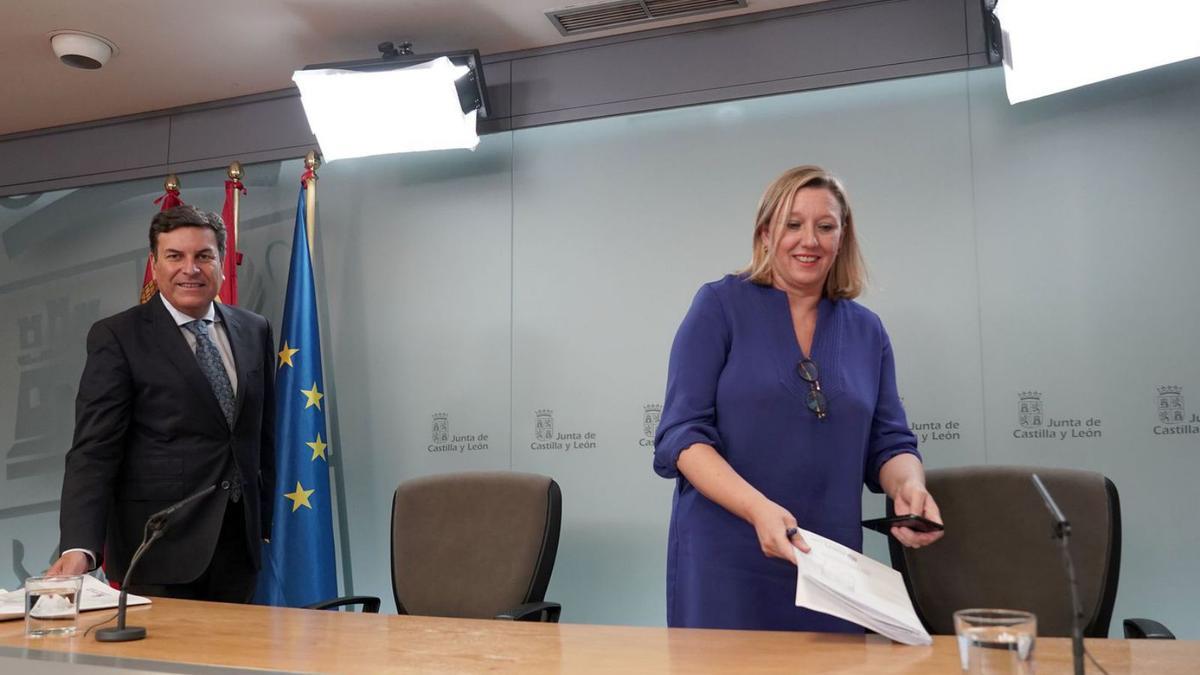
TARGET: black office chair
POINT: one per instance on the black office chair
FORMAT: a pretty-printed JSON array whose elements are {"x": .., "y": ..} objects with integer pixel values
[
  {"x": 474, "y": 545},
  {"x": 998, "y": 551}
]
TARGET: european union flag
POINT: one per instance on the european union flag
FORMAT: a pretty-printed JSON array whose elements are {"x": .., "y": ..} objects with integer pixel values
[{"x": 298, "y": 564}]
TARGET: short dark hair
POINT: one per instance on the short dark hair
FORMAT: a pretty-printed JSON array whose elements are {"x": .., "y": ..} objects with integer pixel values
[{"x": 186, "y": 216}]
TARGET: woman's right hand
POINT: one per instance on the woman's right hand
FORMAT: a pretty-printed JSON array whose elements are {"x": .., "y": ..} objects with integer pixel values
[{"x": 772, "y": 522}]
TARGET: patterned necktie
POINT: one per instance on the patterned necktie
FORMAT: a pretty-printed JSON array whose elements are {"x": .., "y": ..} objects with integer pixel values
[{"x": 212, "y": 367}]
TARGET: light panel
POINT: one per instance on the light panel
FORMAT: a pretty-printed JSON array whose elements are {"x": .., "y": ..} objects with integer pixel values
[
  {"x": 361, "y": 113},
  {"x": 1055, "y": 45}
]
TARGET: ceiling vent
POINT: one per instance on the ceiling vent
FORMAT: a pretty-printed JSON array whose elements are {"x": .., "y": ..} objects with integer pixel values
[{"x": 605, "y": 15}]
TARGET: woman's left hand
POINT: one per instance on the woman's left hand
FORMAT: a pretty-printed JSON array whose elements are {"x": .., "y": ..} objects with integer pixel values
[{"x": 913, "y": 498}]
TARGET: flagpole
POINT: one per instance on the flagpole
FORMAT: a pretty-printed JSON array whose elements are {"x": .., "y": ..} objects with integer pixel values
[
  {"x": 312, "y": 161},
  {"x": 169, "y": 198},
  {"x": 235, "y": 174}
]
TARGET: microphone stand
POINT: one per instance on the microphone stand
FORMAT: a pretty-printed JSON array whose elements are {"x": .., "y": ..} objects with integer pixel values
[
  {"x": 156, "y": 527},
  {"x": 1062, "y": 532}
]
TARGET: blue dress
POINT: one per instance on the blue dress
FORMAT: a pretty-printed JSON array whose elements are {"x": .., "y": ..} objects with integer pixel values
[{"x": 732, "y": 383}]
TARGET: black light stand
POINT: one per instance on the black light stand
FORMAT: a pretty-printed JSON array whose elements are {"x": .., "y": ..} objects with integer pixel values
[{"x": 992, "y": 32}]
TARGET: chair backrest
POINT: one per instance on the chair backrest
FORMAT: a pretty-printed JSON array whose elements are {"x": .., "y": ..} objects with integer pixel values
[
  {"x": 998, "y": 550},
  {"x": 473, "y": 544}
]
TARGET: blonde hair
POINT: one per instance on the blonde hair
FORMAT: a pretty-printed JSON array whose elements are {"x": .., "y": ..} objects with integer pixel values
[{"x": 848, "y": 276}]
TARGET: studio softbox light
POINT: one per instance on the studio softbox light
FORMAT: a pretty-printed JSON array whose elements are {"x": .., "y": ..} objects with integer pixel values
[{"x": 383, "y": 106}]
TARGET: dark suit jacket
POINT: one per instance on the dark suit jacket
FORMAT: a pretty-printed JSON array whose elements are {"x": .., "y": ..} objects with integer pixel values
[{"x": 149, "y": 432}]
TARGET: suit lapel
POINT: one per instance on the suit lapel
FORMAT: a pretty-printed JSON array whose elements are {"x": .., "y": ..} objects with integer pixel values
[
  {"x": 167, "y": 335},
  {"x": 242, "y": 344}
]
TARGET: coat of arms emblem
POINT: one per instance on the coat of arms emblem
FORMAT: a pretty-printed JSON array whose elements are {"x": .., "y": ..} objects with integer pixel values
[
  {"x": 1170, "y": 405},
  {"x": 1029, "y": 409},
  {"x": 651, "y": 414},
  {"x": 441, "y": 428},
  {"x": 543, "y": 429}
]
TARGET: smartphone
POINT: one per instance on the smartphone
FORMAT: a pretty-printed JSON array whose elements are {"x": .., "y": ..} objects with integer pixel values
[{"x": 912, "y": 521}]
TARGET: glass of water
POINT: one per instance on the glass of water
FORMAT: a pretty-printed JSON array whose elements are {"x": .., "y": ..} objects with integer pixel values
[
  {"x": 52, "y": 605},
  {"x": 993, "y": 641}
]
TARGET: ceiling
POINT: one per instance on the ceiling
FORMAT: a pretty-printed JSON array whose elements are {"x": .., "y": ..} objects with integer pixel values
[{"x": 177, "y": 52}]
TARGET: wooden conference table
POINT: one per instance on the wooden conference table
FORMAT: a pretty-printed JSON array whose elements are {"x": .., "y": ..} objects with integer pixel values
[{"x": 212, "y": 634}]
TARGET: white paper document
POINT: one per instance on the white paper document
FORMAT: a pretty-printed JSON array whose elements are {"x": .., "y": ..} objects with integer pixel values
[
  {"x": 95, "y": 595},
  {"x": 842, "y": 582}
]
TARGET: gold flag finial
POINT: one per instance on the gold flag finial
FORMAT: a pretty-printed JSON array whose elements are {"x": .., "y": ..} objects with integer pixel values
[
  {"x": 171, "y": 183},
  {"x": 235, "y": 171},
  {"x": 312, "y": 160}
]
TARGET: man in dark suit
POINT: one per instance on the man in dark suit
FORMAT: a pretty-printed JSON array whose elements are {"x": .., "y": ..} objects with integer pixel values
[{"x": 177, "y": 395}]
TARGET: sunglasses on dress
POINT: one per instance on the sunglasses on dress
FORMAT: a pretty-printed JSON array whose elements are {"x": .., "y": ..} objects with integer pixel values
[{"x": 816, "y": 398}]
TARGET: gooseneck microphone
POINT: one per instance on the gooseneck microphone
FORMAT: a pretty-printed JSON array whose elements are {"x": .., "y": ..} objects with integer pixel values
[
  {"x": 1062, "y": 532},
  {"x": 156, "y": 527}
]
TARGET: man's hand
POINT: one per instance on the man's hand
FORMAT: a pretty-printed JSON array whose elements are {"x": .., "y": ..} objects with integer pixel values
[{"x": 70, "y": 564}]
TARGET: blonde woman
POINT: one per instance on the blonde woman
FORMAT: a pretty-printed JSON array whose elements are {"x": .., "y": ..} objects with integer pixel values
[{"x": 781, "y": 404}]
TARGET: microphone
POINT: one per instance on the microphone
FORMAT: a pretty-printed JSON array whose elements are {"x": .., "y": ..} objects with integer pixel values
[
  {"x": 1062, "y": 532},
  {"x": 156, "y": 527}
]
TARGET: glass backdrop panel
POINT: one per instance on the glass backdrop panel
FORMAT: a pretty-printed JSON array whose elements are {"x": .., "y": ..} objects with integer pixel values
[
  {"x": 1086, "y": 212},
  {"x": 416, "y": 257}
]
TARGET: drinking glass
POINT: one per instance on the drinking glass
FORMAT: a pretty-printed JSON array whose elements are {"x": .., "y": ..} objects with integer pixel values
[
  {"x": 994, "y": 641},
  {"x": 52, "y": 605}
]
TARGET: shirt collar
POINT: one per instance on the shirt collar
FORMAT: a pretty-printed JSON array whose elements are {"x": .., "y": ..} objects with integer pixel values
[{"x": 181, "y": 318}]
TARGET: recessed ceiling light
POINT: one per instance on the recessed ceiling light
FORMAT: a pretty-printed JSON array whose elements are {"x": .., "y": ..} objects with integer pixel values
[{"x": 80, "y": 49}]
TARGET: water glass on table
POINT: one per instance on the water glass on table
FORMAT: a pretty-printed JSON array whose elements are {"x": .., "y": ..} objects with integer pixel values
[
  {"x": 52, "y": 605},
  {"x": 994, "y": 641}
]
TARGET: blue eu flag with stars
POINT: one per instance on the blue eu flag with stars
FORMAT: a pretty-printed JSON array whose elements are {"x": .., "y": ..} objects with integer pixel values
[{"x": 298, "y": 563}]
